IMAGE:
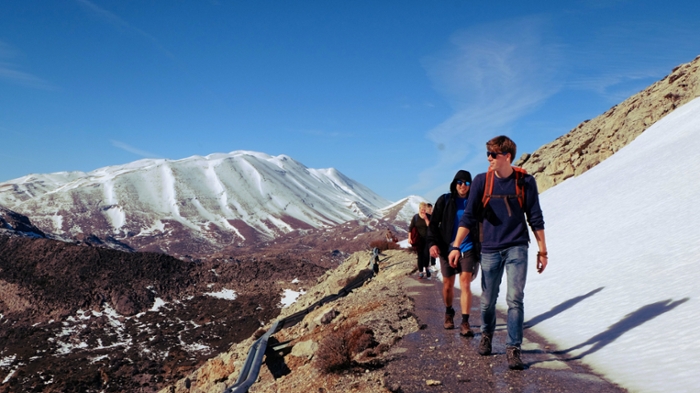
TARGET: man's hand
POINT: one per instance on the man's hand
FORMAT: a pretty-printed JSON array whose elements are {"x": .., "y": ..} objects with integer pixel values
[
  {"x": 435, "y": 252},
  {"x": 453, "y": 258},
  {"x": 541, "y": 262},
  {"x": 542, "y": 253}
]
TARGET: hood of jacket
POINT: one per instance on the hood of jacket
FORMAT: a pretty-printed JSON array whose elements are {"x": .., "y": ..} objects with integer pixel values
[{"x": 460, "y": 175}]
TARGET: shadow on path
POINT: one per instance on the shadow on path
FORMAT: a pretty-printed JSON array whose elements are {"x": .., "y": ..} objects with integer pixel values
[
  {"x": 559, "y": 308},
  {"x": 629, "y": 322}
]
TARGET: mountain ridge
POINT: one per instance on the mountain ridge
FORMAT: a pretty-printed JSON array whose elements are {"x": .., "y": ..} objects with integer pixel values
[{"x": 191, "y": 205}]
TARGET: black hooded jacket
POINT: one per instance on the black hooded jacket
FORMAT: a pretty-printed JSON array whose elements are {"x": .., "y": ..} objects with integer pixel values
[{"x": 442, "y": 222}]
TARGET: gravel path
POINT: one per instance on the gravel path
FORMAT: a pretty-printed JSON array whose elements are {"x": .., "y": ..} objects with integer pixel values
[{"x": 438, "y": 360}]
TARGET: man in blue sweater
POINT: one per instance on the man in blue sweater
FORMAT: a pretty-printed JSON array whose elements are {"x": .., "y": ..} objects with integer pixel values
[{"x": 504, "y": 200}]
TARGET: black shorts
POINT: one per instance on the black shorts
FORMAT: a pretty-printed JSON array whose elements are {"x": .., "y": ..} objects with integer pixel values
[{"x": 468, "y": 262}]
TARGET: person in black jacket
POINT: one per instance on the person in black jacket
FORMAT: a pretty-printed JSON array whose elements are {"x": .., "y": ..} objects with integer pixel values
[{"x": 441, "y": 233}]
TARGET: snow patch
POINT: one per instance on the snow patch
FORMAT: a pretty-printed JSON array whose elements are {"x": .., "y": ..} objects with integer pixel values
[
  {"x": 7, "y": 361},
  {"x": 157, "y": 304},
  {"x": 12, "y": 372},
  {"x": 290, "y": 296},
  {"x": 228, "y": 294}
]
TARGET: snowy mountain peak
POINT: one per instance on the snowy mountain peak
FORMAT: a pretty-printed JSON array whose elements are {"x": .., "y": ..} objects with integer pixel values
[
  {"x": 403, "y": 210},
  {"x": 192, "y": 204}
]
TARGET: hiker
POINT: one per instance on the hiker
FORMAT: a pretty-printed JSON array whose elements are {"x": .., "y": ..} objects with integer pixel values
[
  {"x": 390, "y": 238},
  {"x": 417, "y": 233},
  {"x": 429, "y": 210},
  {"x": 501, "y": 200},
  {"x": 441, "y": 233}
]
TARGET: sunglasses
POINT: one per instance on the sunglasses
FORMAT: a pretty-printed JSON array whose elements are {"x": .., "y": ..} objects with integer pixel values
[
  {"x": 462, "y": 182},
  {"x": 493, "y": 154}
]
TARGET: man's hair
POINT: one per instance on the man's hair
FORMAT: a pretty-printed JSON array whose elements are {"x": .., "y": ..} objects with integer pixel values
[
  {"x": 422, "y": 204},
  {"x": 502, "y": 144}
]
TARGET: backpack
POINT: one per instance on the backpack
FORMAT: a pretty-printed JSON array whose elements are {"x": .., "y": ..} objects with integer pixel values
[
  {"x": 520, "y": 174},
  {"x": 519, "y": 188}
]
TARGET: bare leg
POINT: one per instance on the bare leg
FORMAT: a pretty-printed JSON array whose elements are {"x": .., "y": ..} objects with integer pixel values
[
  {"x": 465, "y": 299},
  {"x": 448, "y": 290}
]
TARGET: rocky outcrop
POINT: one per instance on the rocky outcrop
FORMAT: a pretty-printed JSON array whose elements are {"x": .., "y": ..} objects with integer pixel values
[
  {"x": 593, "y": 141},
  {"x": 16, "y": 222}
]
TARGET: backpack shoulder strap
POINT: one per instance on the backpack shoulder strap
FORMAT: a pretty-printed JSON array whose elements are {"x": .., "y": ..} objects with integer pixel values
[
  {"x": 488, "y": 187},
  {"x": 519, "y": 185},
  {"x": 520, "y": 174}
]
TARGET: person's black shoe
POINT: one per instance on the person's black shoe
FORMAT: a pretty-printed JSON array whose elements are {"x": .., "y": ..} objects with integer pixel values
[
  {"x": 485, "y": 344},
  {"x": 514, "y": 361}
]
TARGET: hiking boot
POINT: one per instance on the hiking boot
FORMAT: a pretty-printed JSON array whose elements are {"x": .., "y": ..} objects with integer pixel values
[
  {"x": 514, "y": 361},
  {"x": 449, "y": 320},
  {"x": 466, "y": 330},
  {"x": 427, "y": 273},
  {"x": 485, "y": 344},
  {"x": 420, "y": 275}
]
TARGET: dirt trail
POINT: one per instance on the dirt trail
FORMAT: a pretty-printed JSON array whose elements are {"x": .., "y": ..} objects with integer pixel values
[{"x": 434, "y": 353}]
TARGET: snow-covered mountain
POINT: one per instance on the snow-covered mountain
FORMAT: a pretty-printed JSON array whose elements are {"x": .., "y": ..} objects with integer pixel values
[
  {"x": 403, "y": 210},
  {"x": 191, "y": 205}
]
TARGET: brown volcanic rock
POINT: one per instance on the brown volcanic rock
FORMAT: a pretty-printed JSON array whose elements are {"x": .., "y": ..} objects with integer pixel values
[
  {"x": 63, "y": 277},
  {"x": 593, "y": 141},
  {"x": 83, "y": 317}
]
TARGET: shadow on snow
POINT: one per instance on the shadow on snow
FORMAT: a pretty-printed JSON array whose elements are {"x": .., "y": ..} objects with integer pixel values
[
  {"x": 629, "y": 322},
  {"x": 559, "y": 308}
]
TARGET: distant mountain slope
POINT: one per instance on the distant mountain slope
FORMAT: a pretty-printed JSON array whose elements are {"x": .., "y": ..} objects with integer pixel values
[
  {"x": 593, "y": 141},
  {"x": 192, "y": 205},
  {"x": 403, "y": 210}
]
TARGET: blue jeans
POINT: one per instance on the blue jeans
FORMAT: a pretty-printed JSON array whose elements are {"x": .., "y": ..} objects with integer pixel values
[{"x": 513, "y": 261}]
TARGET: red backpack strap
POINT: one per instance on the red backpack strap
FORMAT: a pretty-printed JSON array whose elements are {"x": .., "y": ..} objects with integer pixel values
[
  {"x": 520, "y": 185},
  {"x": 488, "y": 187}
]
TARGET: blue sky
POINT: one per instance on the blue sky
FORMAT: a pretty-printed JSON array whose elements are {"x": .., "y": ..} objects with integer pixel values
[{"x": 397, "y": 95}]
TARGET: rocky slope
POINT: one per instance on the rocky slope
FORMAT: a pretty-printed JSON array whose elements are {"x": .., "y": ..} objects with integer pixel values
[
  {"x": 594, "y": 140},
  {"x": 377, "y": 315}
]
